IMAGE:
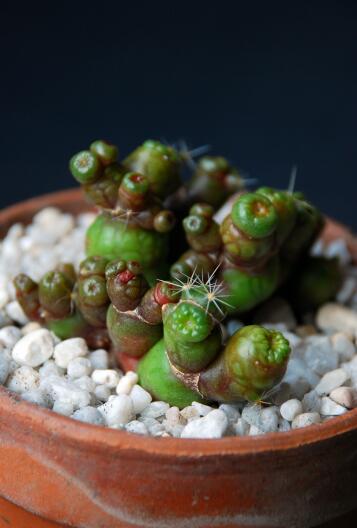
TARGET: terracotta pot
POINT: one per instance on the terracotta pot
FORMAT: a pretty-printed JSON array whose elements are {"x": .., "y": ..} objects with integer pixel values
[{"x": 54, "y": 470}]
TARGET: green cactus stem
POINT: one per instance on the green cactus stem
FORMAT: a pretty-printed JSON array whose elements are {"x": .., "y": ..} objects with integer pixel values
[
  {"x": 253, "y": 361},
  {"x": 213, "y": 181},
  {"x": 160, "y": 163},
  {"x": 156, "y": 376}
]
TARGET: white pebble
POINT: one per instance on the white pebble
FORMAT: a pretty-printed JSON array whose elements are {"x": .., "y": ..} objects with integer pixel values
[
  {"x": 331, "y": 408},
  {"x": 65, "y": 390},
  {"x": 50, "y": 368},
  {"x": 213, "y": 425},
  {"x": 338, "y": 248},
  {"x": 69, "y": 349},
  {"x": 154, "y": 427},
  {"x": 343, "y": 345},
  {"x": 89, "y": 415},
  {"x": 140, "y": 398},
  {"x": 269, "y": 418},
  {"x": 320, "y": 356},
  {"x": 108, "y": 377},
  {"x": 16, "y": 313},
  {"x": 30, "y": 327},
  {"x": 4, "y": 297},
  {"x": 36, "y": 396},
  {"x": 346, "y": 396},
  {"x": 331, "y": 380},
  {"x": 254, "y": 431},
  {"x": 284, "y": 425},
  {"x": 190, "y": 413},
  {"x": 174, "y": 422},
  {"x": 334, "y": 317},
  {"x": 99, "y": 359},
  {"x": 155, "y": 409},
  {"x": 311, "y": 402},
  {"x": 306, "y": 419},
  {"x": 9, "y": 336},
  {"x": 85, "y": 383},
  {"x": 233, "y": 326},
  {"x": 251, "y": 414},
  {"x": 136, "y": 427},
  {"x": 290, "y": 409},
  {"x": 232, "y": 412},
  {"x": 63, "y": 407},
  {"x": 4, "y": 368},
  {"x": 102, "y": 393},
  {"x": 23, "y": 379},
  {"x": 79, "y": 367},
  {"x": 34, "y": 349},
  {"x": 241, "y": 428},
  {"x": 117, "y": 410},
  {"x": 202, "y": 408},
  {"x": 127, "y": 382}
]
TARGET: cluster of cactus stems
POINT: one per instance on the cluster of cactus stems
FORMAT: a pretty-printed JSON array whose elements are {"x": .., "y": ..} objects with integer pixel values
[{"x": 139, "y": 293}]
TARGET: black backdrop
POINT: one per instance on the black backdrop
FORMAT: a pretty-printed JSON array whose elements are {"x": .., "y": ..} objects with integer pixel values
[{"x": 268, "y": 84}]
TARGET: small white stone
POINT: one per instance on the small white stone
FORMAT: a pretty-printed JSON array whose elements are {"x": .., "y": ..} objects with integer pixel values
[
  {"x": 306, "y": 419},
  {"x": 255, "y": 431},
  {"x": 117, "y": 410},
  {"x": 202, "y": 408},
  {"x": 311, "y": 402},
  {"x": 154, "y": 427},
  {"x": 346, "y": 396},
  {"x": 34, "y": 349},
  {"x": 190, "y": 413},
  {"x": 320, "y": 356},
  {"x": 89, "y": 415},
  {"x": 108, "y": 377},
  {"x": 241, "y": 427},
  {"x": 283, "y": 425},
  {"x": 23, "y": 379},
  {"x": 140, "y": 398},
  {"x": 30, "y": 327},
  {"x": 231, "y": 411},
  {"x": 4, "y": 367},
  {"x": 347, "y": 290},
  {"x": 155, "y": 409},
  {"x": 174, "y": 422},
  {"x": 269, "y": 418},
  {"x": 38, "y": 397},
  {"x": 4, "y": 297},
  {"x": 102, "y": 393},
  {"x": 99, "y": 359},
  {"x": 59, "y": 388},
  {"x": 331, "y": 408},
  {"x": 290, "y": 409},
  {"x": 276, "y": 311},
  {"x": 251, "y": 414},
  {"x": 16, "y": 313},
  {"x": 331, "y": 381},
  {"x": 63, "y": 407},
  {"x": 9, "y": 336},
  {"x": 85, "y": 383},
  {"x": 50, "y": 368},
  {"x": 79, "y": 367},
  {"x": 213, "y": 425},
  {"x": 136, "y": 427},
  {"x": 69, "y": 349},
  {"x": 338, "y": 248},
  {"x": 127, "y": 382},
  {"x": 343, "y": 345},
  {"x": 332, "y": 317}
]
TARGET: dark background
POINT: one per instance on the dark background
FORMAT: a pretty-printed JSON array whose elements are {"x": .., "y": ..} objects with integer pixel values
[{"x": 268, "y": 84}]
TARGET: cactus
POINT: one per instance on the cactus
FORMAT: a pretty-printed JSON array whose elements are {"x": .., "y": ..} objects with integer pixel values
[{"x": 231, "y": 261}]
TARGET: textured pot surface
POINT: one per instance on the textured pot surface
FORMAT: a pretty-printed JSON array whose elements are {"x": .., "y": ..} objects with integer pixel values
[{"x": 87, "y": 476}]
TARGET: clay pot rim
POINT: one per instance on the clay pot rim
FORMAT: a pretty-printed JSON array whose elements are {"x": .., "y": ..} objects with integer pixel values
[{"x": 97, "y": 437}]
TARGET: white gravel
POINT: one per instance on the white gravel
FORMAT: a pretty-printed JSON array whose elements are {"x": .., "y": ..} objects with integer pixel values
[{"x": 70, "y": 379}]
